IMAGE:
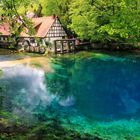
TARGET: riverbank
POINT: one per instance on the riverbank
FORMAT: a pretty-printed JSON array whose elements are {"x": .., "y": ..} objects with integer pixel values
[
  {"x": 92, "y": 48},
  {"x": 44, "y": 61},
  {"x": 15, "y": 58},
  {"x": 38, "y": 62}
]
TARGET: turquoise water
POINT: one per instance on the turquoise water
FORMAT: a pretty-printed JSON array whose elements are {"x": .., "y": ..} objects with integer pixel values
[{"x": 95, "y": 94}]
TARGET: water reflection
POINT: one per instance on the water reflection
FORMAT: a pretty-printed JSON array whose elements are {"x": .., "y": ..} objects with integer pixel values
[
  {"x": 27, "y": 92},
  {"x": 77, "y": 94},
  {"x": 96, "y": 88},
  {"x": 101, "y": 88}
]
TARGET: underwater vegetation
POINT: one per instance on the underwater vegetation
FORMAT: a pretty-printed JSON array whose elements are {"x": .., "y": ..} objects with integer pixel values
[
  {"x": 88, "y": 96},
  {"x": 43, "y": 131},
  {"x": 13, "y": 128}
]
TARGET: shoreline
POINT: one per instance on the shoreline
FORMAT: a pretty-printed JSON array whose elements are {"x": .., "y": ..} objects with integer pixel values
[
  {"x": 44, "y": 61},
  {"x": 4, "y": 51},
  {"x": 39, "y": 62}
]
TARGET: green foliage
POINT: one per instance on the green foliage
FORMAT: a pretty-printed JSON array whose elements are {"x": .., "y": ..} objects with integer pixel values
[
  {"x": 56, "y": 7},
  {"x": 98, "y": 20},
  {"x": 48, "y": 8},
  {"x": 18, "y": 22},
  {"x": 106, "y": 21}
]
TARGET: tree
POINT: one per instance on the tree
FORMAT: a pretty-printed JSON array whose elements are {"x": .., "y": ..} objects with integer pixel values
[
  {"x": 106, "y": 21},
  {"x": 57, "y": 7},
  {"x": 95, "y": 20},
  {"x": 50, "y": 7},
  {"x": 17, "y": 20}
]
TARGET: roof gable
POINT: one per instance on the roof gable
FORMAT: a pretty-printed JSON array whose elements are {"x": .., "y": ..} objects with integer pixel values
[
  {"x": 46, "y": 23},
  {"x": 42, "y": 26},
  {"x": 57, "y": 30}
]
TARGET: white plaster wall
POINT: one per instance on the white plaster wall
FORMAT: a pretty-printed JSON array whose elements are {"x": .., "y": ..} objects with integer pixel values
[{"x": 52, "y": 39}]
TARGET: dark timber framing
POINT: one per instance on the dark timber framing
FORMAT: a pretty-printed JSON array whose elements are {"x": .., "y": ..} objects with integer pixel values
[
  {"x": 56, "y": 30},
  {"x": 64, "y": 46}
]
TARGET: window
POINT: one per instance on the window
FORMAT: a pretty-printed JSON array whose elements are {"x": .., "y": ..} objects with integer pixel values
[{"x": 32, "y": 40}]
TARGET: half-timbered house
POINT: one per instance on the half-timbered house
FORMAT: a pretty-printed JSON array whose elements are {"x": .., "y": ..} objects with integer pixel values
[{"x": 47, "y": 30}]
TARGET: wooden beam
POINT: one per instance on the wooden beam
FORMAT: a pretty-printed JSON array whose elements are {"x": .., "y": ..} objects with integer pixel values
[
  {"x": 62, "y": 47},
  {"x": 69, "y": 47},
  {"x": 55, "y": 47}
]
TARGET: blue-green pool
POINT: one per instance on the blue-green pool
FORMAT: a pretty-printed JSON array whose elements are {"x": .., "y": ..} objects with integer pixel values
[{"x": 90, "y": 93}]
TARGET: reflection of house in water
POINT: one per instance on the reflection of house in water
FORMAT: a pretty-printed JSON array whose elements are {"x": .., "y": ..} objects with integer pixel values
[{"x": 47, "y": 30}]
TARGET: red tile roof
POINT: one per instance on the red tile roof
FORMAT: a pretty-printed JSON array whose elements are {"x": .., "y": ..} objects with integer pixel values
[{"x": 43, "y": 24}]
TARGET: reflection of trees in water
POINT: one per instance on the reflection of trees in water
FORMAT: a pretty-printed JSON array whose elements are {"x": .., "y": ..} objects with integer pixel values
[
  {"x": 59, "y": 81},
  {"x": 100, "y": 87},
  {"x": 107, "y": 88}
]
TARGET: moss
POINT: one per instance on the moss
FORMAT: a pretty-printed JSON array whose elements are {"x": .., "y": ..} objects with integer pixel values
[
  {"x": 55, "y": 132},
  {"x": 42, "y": 132}
]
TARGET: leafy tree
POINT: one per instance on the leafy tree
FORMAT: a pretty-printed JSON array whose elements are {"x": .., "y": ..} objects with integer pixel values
[
  {"x": 57, "y": 7},
  {"x": 106, "y": 21},
  {"x": 18, "y": 21},
  {"x": 95, "y": 20}
]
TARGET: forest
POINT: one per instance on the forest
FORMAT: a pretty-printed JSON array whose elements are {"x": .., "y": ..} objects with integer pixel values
[{"x": 93, "y": 20}]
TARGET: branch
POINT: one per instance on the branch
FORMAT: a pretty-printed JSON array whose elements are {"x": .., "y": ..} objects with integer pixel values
[{"x": 17, "y": 14}]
